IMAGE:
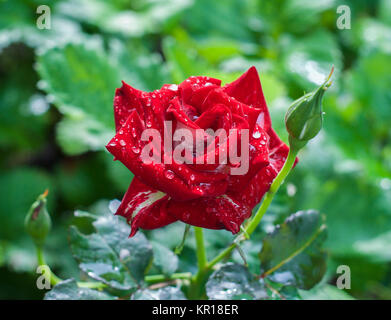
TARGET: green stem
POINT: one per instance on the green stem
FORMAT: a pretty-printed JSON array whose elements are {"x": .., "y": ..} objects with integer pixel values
[
  {"x": 91, "y": 285},
  {"x": 41, "y": 261},
  {"x": 54, "y": 279},
  {"x": 253, "y": 223},
  {"x": 196, "y": 287},
  {"x": 161, "y": 277},
  {"x": 201, "y": 252}
]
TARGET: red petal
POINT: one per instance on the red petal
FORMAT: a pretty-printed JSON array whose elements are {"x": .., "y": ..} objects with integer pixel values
[
  {"x": 144, "y": 207},
  {"x": 260, "y": 183},
  {"x": 174, "y": 179},
  {"x": 194, "y": 89},
  {"x": 126, "y": 100},
  {"x": 150, "y": 106},
  {"x": 219, "y": 96},
  {"x": 212, "y": 213},
  {"x": 258, "y": 159},
  {"x": 248, "y": 90}
]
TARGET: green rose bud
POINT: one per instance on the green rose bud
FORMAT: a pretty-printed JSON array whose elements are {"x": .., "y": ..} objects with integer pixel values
[
  {"x": 38, "y": 221},
  {"x": 304, "y": 118}
]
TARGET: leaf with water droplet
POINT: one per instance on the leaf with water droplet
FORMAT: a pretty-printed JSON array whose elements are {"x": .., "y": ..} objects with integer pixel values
[
  {"x": 234, "y": 281},
  {"x": 110, "y": 255},
  {"x": 164, "y": 259},
  {"x": 166, "y": 293},
  {"x": 115, "y": 232},
  {"x": 68, "y": 290},
  {"x": 292, "y": 254}
]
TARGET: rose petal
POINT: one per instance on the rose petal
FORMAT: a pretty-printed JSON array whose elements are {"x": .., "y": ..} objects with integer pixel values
[
  {"x": 127, "y": 146},
  {"x": 219, "y": 96},
  {"x": 248, "y": 90},
  {"x": 150, "y": 106},
  {"x": 126, "y": 100},
  {"x": 194, "y": 89},
  {"x": 258, "y": 159},
  {"x": 252, "y": 194},
  {"x": 144, "y": 207},
  {"x": 213, "y": 213}
]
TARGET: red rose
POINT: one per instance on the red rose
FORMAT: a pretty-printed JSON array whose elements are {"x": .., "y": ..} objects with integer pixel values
[{"x": 201, "y": 194}]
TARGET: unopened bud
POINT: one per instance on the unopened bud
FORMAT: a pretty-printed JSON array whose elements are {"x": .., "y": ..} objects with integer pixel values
[
  {"x": 38, "y": 222},
  {"x": 304, "y": 118}
]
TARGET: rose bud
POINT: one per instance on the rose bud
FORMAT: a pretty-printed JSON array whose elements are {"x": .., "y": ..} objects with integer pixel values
[
  {"x": 304, "y": 117},
  {"x": 38, "y": 222}
]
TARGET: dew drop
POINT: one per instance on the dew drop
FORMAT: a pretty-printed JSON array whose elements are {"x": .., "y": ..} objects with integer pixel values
[
  {"x": 256, "y": 135},
  {"x": 169, "y": 174},
  {"x": 186, "y": 216},
  {"x": 122, "y": 143},
  {"x": 136, "y": 150},
  {"x": 173, "y": 87}
]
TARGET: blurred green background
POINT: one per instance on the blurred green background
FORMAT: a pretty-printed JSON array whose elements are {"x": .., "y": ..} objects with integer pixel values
[{"x": 56, "y": 91}]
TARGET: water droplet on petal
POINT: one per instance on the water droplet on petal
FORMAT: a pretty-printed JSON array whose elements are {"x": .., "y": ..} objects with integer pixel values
[
  {"x": 169, "y": 174},
  {"x": 122, "y": 143},
  {"x": 256, "y": 135},
  {"x": 186, "y": 216},
  {"x": 136, "y": 150},
  {"x": 173, "y": 87}
]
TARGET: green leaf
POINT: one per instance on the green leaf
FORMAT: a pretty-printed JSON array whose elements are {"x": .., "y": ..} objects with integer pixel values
[
  {"x": 99, "y": 261},
  {"x": 234, "y": 281},
  {"x": 219, "y": 18},
  {"x": 278, "y": 291},
  {"x": 183, "y": 65},
  {"x": 325, "y": 292},
  {"x": 164, "y": 259},
  {"x": 292, "y": 253},
  {"x": 166, "y": 293},
  {"x": 377, "y": 249},
  {"x": 68, "y": 290},
  {"x": 82, "y": 82},
  {"x": 115, "y": 17},
  {"x": 110, "y": 255},
  {"x": 24, "y": 118},
  {"x": 141, "y": 69},
  {"x": 308, "y": 60},
  {"x": 134, "y": 253},
  {"x": 299, "y": 15}
]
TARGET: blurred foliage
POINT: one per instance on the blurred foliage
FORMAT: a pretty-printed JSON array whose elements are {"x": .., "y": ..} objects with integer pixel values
[{"x": 56, "y": 94}]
